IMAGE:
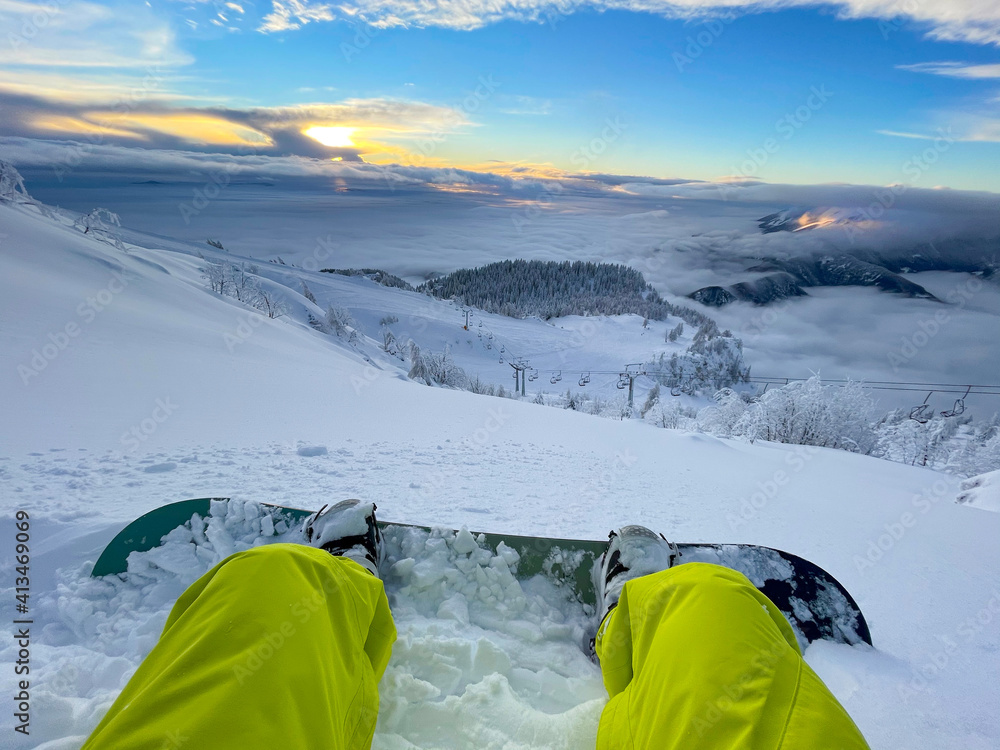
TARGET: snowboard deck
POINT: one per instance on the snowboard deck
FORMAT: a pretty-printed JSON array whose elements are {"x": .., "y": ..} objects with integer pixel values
[{"x": 814, "y": 602}]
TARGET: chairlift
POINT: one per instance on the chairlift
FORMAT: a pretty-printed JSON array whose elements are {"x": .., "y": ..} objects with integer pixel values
[
  {"x": 480, "y": 324},
  {"x": 556, "y": 378},
  {"x": 489, "y": 345},
  {"x": 923, "y": 412},
  {"x": 675, "y": 390},
  {"x": 501, "y": 360},
  {"x": 533, "y": 375},
  {"x": 502, "y": 348},
  {"x": 623, "y": 381},
  {"x": 584, "y": 378},
  {"x": 959, "y": 406},
  {"x": 514, "y": 374}
]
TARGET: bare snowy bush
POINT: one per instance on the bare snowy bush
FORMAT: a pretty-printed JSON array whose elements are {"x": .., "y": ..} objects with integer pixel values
[
  {"x": 340, "y": 321},
  {"x": 12, "y": 189},
  {"x": 307, "y": 293},
  {"x": 801, "y": 413},
  {"x": 672, "y": 415},
  {"x": 242, "y": 283},
  {"x": 951, "y": 444},
  {"x": 435, "y": 368},
  {"x": 103, "y": 225}
]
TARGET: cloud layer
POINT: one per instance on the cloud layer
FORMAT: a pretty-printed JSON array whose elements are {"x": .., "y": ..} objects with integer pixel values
[
  {"x": 144, "y": 116},
  {"x": 976, "y": 21}
]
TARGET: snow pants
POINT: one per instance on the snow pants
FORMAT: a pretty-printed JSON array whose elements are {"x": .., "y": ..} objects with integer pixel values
[
  {"x": 281, "y": 646},
  {"x": 696, "y": 657},
  {"x": 284, "y": 645}
]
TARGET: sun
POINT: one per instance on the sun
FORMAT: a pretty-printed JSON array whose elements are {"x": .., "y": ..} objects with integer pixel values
[{"x": 335, "y": 137}]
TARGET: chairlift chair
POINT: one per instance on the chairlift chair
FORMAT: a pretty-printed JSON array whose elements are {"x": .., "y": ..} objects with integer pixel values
[
  {"x": 556, "y": 378},
  {"x": 923, "y": 412},
  {"x": 584, "y": 378},
  {"x": 959, "y": 406}
]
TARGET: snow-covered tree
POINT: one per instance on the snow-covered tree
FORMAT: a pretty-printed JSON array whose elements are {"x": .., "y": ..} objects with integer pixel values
[
  {"x": 652, "y": 399},
  {"x": 12, "y": 189},
  {"x": 103, "y": 225},
  {"x": 802, "y": 413},
  {"x": 674, "y": 333},
  {"x": 341, "y": 322},
  {"x": 713, "y": 361},
  {"x": 307, "y": 293},
  {"x": 242, "y": 283}
]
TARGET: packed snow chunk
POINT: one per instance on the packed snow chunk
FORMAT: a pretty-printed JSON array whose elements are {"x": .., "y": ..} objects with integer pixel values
[
  {"x": 455, "y": 608},
  {"x": 402, "y": 568},
  {"x": 509, "y": 555},
  {"x": 465, "y": 542},
  {"x": 982, "y": 491},
  {"x": 425, "y": 574},
  {"x": 310, "y": 451},
  {"x": 160, "y": 468}
]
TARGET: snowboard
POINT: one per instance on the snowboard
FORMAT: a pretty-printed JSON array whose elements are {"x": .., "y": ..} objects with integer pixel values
[{"x": 814, "y": 602}]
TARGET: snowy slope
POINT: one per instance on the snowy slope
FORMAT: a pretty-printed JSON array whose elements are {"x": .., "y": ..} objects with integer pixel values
[{"x": 295, "y": 417}]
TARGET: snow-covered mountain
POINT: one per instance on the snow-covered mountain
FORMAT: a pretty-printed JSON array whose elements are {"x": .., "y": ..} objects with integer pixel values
[{"x": 127, "y": 383}]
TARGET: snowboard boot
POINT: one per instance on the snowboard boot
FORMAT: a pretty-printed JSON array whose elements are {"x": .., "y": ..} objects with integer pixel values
[
  {"x": 347, "y": 529},
  {"x": 633, "y": 551}
]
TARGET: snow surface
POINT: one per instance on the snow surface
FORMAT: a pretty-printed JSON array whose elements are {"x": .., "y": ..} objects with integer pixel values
[{"x": 150, "y": 403}]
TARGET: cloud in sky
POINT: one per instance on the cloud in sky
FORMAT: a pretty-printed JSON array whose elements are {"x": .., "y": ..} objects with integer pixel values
[
  {"x": 955, "y": 69},
  {"x": 79, "y": 34},
  {"x": 119, "y": 111},
  {"x": 976, "y": 21}
]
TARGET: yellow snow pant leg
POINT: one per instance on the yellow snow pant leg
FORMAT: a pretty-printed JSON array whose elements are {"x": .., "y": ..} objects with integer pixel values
[
  {"x": 695, "y": 657},
  {"x": 279, "y": 646}
]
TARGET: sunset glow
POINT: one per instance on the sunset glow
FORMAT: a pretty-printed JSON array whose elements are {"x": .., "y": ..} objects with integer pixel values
[{"x": 335, "y": 137}]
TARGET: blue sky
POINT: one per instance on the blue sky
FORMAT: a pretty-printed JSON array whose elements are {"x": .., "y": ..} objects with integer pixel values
[{"x": 799, "y": 95}]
